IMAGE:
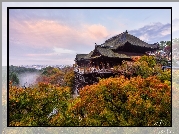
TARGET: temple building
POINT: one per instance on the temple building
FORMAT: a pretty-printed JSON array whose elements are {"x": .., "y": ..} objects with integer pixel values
[{"x": 114, "y": 50}]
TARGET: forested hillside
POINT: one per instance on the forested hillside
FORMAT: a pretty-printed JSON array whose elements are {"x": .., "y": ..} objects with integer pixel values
[{"x": 141, "y": 96}]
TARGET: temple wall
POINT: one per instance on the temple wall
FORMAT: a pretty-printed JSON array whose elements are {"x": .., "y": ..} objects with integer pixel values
[{"x": 130, "y": 53}]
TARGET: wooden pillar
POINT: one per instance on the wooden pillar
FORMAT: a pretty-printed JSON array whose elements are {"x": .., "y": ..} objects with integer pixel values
[
  {"x": 105, "y": 64},
  {"x": 98, "y": 62}
]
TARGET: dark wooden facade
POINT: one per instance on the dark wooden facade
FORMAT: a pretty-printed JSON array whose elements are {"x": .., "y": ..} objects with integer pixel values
[
  {"x": 81, "y": 61},
  {"x": 103, "y": 57}
]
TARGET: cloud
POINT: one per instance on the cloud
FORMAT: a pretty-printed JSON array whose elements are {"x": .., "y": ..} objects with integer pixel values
[
  {"x": 49, "y": 39},
  {"x": 39, "y": 33},
  {"x": 144, "y": 37},
  {"x": 63, "y": 51},
  {"x": 96, "y": 31},
  {"x": 152, "y": 33},
  {"x": 57, "y": 52},
  {"x": 48, "y": 33},
  {"x": 45, "y": 58},
  {"x": 41, "y": 61},
  {"x": 35, "y": 55}
]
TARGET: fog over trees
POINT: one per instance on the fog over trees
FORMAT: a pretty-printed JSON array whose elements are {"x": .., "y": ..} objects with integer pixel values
[
  {"x": 28, "y": 79},
  {"x": 23, "y": 76}
]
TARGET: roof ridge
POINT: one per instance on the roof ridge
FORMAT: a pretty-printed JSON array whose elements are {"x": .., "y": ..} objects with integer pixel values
[{"x": 140, "y": 40}]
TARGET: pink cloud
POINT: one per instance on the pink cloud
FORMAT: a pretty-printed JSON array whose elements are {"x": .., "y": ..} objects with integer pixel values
[
  {"x": 96, "y": 31},
  {"x": 45, "y": 33}
]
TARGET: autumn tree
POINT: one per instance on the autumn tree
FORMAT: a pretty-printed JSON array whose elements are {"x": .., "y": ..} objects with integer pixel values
[
  {"x": 140, "y": 95},
  {"x": 145, "y": 67},
  {"x": 124, "y": 102},
  {"x": 33, "y": 106}
]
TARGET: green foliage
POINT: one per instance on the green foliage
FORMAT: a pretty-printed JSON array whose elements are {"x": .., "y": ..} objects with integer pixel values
[
  {"x": 69, "y": 78},
  {"x": 145, "y": 67},
  {"x": 14, "y": 72},
  {"x": 13, "y": 77},
  {"x": 49, "y": 71},
  {"x": 163, "y": 44},
  {"x": 164, "y": 75},
  {"x": 19, "y": 70},
  {"x": 162, "y": 61},
  {"x": 151, "y": 61}
]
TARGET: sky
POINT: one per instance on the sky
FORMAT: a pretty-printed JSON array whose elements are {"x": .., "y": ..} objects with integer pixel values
[{"x": 55, "y": 36}]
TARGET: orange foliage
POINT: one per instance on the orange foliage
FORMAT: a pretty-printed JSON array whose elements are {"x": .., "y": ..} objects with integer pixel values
[{"x": 121, "y": 101}]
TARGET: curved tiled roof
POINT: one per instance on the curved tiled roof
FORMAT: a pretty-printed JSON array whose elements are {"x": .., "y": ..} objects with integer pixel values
[
  {"x": 106, "y": 49},
  {"x": 88, "y": 56},
  {"x": 107, "y": 52},
  {"x": 80, "y": 56},
  {"x": 119, "y": 40}
]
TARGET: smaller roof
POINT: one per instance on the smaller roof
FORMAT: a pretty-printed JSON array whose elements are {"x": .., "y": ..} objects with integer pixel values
[
  {"x": 107, "y": 52},
  {"x": 80, "y": 56},
  {"x": 88, "y": 56}
]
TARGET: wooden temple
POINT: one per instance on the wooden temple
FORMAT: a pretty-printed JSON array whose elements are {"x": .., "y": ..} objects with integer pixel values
[{"x": 112, "y": 52}]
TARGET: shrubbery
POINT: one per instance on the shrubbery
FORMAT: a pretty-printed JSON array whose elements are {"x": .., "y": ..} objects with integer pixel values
[
  {"x": 13, "y": 78},
  {"x": 124, "y": 102},
  {"x": 145, "y": 67},
  {"x": 31, "y": 106},
  {"x": 139, "y": 96}
]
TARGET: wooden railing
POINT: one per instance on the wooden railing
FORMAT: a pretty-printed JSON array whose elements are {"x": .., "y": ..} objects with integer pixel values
[{"x": 92, "y": 70}]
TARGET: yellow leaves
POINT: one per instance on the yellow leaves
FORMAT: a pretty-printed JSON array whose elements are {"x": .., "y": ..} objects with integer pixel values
[
  {"x": 36, "y": 101},
  {"x": 104, "y": 112},
  {"x": 148, "y": 104},
  {"x": 139, "y": 101},
  {"x": 143, "y": 96},
  {"x": 56, "y": 118},
  {"x": 136, "y": 58}
]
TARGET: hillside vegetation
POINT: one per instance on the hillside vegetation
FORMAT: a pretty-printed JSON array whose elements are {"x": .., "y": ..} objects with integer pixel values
[{"x": 140, "y": 95}]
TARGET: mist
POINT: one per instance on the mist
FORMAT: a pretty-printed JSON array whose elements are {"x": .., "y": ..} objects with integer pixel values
[{"x": 27, "y": 79}]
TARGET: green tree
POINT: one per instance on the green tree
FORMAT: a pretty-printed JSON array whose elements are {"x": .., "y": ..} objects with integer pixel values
[
  {"x": 69, "y": 78},
  {"x": 13, "y": 77},
  {"x": 162, "y": 44},
  {"x": 168, "y": 43},
  {"x": 168, "y": 48}
]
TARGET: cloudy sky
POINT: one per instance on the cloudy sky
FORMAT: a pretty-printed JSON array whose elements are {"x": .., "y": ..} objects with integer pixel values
[{"x": 55, "y": 36}]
